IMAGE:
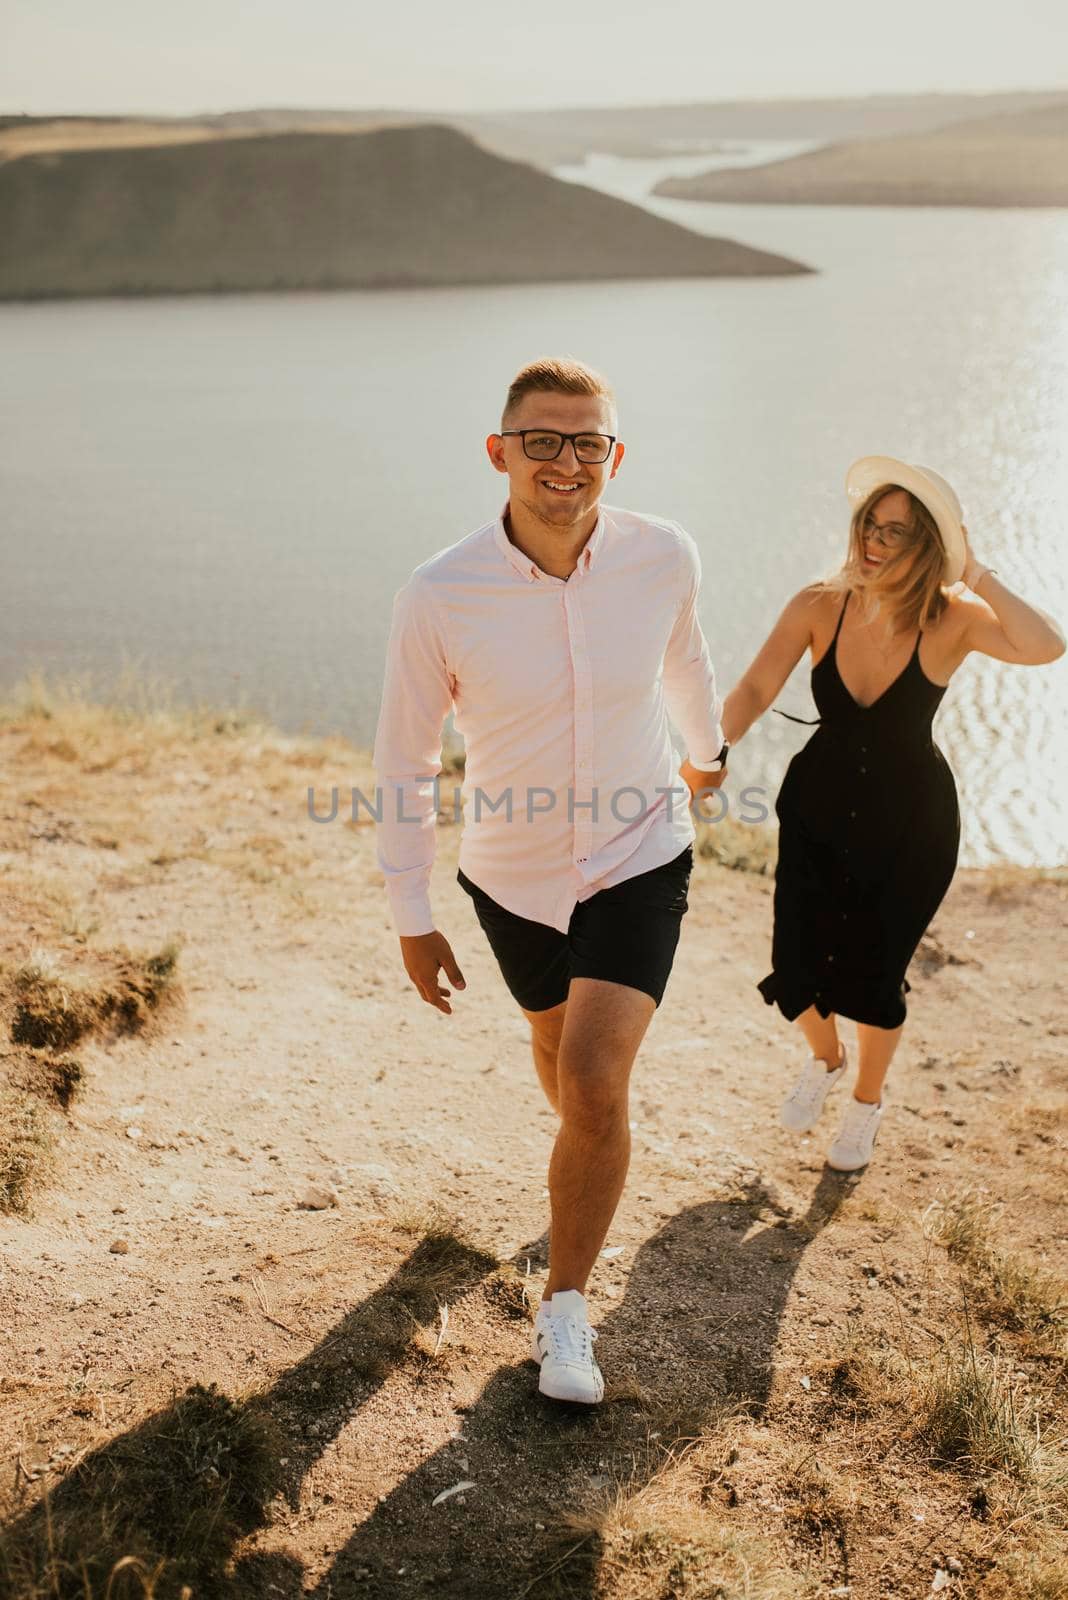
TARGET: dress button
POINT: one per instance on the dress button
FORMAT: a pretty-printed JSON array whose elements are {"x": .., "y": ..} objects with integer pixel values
[
  {"x": 863, "y": 769},
  {"x": 852, "y": 813}
]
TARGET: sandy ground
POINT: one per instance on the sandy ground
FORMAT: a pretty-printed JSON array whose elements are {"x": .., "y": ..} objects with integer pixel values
[{"x": 300, "y": 1054}]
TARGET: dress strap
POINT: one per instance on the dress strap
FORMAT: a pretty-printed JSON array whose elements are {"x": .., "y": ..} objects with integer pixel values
[{"x": 809, "y": 722}]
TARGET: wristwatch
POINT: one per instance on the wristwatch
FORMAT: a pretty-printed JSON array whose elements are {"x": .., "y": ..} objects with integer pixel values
[{"x": 713, "y": 766}]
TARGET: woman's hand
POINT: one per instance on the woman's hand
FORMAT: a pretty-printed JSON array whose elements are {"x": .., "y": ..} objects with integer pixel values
[{"x": 973, "y": 569}]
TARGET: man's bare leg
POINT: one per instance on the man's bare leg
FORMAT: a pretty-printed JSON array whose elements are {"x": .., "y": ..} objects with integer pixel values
[
  {"x": 545, "y": 1030},
  {"x": 604, "y": 1024}
]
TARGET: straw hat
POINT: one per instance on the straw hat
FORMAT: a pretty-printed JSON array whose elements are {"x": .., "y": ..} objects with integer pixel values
[{"x": 873, "y": 472}]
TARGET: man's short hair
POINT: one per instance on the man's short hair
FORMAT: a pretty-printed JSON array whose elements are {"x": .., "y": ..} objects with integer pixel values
[{"x": 556, "y": 375}]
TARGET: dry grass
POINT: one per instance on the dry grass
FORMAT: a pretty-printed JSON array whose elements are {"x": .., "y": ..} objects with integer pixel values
[
  {"x": 26, "y": 1143},
  {"x": 1006, "y": 1287},
  {"x": 973, "y": 1411},
  {"x": 662, "y": 1533},
  {"x": 54, "y": 1009},
  {"x": 77, "y": 719},
  {"x": 742, "y": 846},
  {"x": 155, "y": 1509},
  {"x": 1005, "y": 885}
]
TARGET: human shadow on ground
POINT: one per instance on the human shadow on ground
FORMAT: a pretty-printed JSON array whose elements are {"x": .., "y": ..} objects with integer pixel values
[
  {"x": 694, "y": 1335},
  {"x": 181, "y": 1489},
  {"x": 695, "y": 1332}
]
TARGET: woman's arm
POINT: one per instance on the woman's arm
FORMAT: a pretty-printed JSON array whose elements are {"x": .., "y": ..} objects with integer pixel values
[
  {"x": 773, "y": 664},
  {"x": 999, "y": 624}
]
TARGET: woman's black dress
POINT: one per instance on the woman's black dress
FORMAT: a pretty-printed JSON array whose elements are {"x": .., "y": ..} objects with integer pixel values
[{"x": 868, "y": 837}]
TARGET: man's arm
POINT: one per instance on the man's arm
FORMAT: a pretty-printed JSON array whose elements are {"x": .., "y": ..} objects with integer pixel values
[
  {"x": 416, "y": 697},
  {"x": 689, "y": 681}
]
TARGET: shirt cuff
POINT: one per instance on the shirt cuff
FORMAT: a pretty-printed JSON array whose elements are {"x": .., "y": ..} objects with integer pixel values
[
  {"x": 703, "y": 763},
  {"x": 411, "y": 916}
]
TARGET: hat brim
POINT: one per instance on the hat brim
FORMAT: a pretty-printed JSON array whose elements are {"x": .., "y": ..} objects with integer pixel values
[{"x": 873, "y": 472}]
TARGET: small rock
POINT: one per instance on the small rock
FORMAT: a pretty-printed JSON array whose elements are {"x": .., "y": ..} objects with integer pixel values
[
  {"x": 953, "y": 1565},
  {"x": 869, "y": 1269},
  {"x": 133, "y": 1131},
  {"x": 806, "y": 1383},
  {"x": 317, "y": 1197},
  {"x": 119, "y": 1247},
  {"x": 941, "y": 1580},
  {"x": 899, "y": 1277}
]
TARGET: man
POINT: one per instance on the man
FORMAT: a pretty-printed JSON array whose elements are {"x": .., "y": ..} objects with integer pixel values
[{"x": 557, "y": 633}]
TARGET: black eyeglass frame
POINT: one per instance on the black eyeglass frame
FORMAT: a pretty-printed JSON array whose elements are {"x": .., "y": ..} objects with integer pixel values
[{"x": 565, "y": 438}]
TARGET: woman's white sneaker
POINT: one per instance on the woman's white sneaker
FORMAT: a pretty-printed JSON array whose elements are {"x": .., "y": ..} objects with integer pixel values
[
  {"x": 803, "y": 1106},
  {"x": 856, "y": 1137},
  {"x": 562, "y": 1345}
]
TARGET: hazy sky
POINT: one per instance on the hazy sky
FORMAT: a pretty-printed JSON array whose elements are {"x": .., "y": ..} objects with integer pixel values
[{"x": 204, "y": 55}]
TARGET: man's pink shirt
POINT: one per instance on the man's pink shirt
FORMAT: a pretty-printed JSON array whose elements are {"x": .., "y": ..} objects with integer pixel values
[{"x": 561, "y": 689}]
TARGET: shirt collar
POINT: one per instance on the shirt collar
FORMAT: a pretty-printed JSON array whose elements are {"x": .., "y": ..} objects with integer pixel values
[{"x": 529, "y": 569}]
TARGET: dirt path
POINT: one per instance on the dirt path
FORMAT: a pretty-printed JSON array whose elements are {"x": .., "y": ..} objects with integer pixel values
[{"x": 744, "y": 1280}]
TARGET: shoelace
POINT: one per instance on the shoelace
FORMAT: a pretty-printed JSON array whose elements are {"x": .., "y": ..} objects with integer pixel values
[
  {"x": 857, "y": 1119},
  {"x": 573, "y": 1341},
  {"x": 807, "y": 1091}
]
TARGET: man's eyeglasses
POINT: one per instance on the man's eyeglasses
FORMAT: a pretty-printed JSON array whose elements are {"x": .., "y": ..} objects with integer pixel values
[{"x": 544, "y": 444}]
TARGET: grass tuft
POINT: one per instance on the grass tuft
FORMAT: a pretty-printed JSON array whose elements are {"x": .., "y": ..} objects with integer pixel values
[
  {"x": 157, "y": 1509},
  {"x": 973, "y": 1412},
  {"x": 742, "y": 846},
  {"x": 1007, "y": 1288},
  {"x": 26, "y": 1143},
  {"x": 53, "y": 1009},
  {"x": 645, "y": 1540}
]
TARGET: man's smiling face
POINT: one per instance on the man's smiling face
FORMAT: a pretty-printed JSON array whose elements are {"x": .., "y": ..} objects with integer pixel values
[{"x": 561, "y": 494}]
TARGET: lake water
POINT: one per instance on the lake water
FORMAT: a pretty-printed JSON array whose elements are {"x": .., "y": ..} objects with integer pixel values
[{"x": 227, "y": 492}]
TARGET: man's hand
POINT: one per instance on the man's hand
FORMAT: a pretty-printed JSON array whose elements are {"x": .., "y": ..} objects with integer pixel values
[
  {"x": 424, "y": 955},
  {"x": 696, "y": 781}
]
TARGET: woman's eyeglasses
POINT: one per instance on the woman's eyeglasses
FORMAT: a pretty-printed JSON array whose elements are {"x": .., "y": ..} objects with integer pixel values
[{"x": 891, "y": 535}]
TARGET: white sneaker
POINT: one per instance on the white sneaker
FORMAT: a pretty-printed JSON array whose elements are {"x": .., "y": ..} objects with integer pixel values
[
  {"x": 803, "y": 1106},
  {"x": 856, "y": 1137},
  {"x": 562, "y": 1344}
]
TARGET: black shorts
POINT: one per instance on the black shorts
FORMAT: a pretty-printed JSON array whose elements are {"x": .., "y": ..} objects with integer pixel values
[{"x": 626, "y": 934}]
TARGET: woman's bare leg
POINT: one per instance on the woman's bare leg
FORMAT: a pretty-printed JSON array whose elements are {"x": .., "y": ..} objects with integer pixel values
[
  {"x": 822, "y": 1035},
  {"x": 876, "y": 1048}
]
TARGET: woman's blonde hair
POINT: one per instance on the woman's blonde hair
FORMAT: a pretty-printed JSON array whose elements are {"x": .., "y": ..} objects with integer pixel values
[{"x": 911, "y": 592}]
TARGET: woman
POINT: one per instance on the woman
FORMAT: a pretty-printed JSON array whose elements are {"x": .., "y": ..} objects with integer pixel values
[{"x": 867, "y": 810}]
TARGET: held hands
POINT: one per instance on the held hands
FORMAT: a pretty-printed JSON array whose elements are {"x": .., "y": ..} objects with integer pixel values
[
  {"x": 424, "y": 954},
  {"x": 695, "y": 781}
]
